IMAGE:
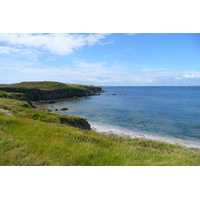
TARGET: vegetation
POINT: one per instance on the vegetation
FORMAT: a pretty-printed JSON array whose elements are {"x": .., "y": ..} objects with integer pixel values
[
  {"x": 24, "y": 110},
  {"x": 11, "y": 95},
  {"x": 90, "y": 87},
  {"x": 32, "y": 137},
  {"x": 46, "y": 85},
  {"x": 41, "y": 85}
]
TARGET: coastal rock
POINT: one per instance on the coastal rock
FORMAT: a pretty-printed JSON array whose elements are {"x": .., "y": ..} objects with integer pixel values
[
  {"x": 79, "y": 122},
  {"x": 51, "y": 101},
  {"x": 64, "y": 109}
]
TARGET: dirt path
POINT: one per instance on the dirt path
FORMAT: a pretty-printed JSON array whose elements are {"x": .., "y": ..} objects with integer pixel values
[{"x": 5, "y": 112}]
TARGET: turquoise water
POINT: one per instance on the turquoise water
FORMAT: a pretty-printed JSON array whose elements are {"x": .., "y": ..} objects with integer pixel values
[{"x": 164, "y": 111}]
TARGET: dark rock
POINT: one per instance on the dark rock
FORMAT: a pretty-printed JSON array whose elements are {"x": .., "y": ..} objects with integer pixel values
[
  {"x": 63, "y": 109},
  {"x": 30, "y": 103},
  {"x": 79, "y": 122},
  {"x": 56, "y": 109},
  {"x": 50, "y": 102}
]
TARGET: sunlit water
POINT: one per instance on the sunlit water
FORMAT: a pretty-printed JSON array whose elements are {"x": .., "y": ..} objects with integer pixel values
[{"x": 164, "y": 111}]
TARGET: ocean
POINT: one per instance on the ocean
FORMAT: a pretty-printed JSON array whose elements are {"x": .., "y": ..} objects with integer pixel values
[{"x": 172, "y": 112}]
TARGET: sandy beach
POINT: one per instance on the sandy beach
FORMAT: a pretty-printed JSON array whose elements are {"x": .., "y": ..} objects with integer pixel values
[{"x": 116, "y": 130}]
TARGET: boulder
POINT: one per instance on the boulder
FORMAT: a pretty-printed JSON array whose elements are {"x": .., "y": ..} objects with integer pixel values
[{"x": 64, "y": 109}]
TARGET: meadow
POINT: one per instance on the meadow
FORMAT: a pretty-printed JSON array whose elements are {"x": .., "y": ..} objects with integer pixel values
[{"x": 32, "y": 137}]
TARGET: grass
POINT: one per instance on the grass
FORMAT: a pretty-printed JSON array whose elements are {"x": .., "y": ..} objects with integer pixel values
[
  {"x": 42, "y": 85},
  {"x": 45, "y": 85},
  {"x": 29, "y": 140},
  {"x": 12, "y": 95},
  {"x": 24, "y": 110}
]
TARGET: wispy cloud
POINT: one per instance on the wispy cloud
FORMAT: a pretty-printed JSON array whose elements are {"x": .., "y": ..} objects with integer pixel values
[
  {"x": 105, "y": 43},
  {"x": 101, "y": 74},
  {"x": 165, "y": 77},
  {"x": 118, "y": 53},
  {"x": 7, "y": 50},
  {"x": 61, "y": 44}
]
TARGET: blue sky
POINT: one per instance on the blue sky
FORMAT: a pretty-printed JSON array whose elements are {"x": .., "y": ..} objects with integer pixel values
[{"x": 101, "y": 59}]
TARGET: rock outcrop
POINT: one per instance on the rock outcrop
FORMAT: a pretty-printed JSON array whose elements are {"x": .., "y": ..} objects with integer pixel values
[{"x": 79, "y": 122}]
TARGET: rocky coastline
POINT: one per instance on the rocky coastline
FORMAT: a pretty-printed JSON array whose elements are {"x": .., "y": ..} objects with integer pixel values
[
  {"x": 38, "y": 93},
  {"x": 34, "y": 94}
]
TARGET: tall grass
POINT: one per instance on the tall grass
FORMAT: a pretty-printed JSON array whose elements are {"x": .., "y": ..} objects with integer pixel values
[{"x": 28, "y": 141}]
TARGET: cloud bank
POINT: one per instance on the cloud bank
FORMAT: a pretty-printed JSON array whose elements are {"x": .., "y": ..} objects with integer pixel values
[
  {"x": 60, "y": 44},
  {"x": 100, "y": 74}
]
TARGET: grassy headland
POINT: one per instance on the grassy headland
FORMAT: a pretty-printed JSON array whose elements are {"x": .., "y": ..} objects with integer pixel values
[{"x": 48, "y": 90}]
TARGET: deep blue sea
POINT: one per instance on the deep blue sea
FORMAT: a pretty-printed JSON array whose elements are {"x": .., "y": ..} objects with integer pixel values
[{"x": 163, "y": 111}]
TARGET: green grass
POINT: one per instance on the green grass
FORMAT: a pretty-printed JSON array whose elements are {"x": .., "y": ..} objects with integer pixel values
[
  {"x": 46, "y": 85},
  {"x": 12, "y": 95},
  {"x": 29, "y": 140},
  {"x": 42, "y": 85},
  {"x": 24, "y": 110}
]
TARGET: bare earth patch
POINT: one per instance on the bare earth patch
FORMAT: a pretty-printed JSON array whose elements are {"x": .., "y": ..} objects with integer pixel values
[{"x": 5, "y": 112}]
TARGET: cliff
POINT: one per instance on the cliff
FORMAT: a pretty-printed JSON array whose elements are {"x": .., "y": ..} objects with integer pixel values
[{"x": 46, "y": 90}]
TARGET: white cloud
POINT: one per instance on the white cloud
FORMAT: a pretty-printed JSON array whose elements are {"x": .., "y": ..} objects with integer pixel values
[
  {"x": 165, "y": 77},
  {"x": 97, "y": 73},
  {"x": 100, "y": 74},
  {"x": 7, "y": 50},
  {"x": 105, "y": 43},
  {"x": 60, "y": 43},
  {"x": 192, "y": 75}
]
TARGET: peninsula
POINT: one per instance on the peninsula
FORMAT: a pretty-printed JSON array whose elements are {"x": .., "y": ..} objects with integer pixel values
[{"x": 47, "y": 90}]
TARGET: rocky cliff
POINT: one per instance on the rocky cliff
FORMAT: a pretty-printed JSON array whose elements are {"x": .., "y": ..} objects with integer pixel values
[{"x": 36, "y": 91}]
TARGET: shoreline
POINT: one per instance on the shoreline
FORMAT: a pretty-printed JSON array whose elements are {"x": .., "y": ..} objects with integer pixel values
[
  {"x": 123, "y": 132},
  {"x": 120, "y": 131}
]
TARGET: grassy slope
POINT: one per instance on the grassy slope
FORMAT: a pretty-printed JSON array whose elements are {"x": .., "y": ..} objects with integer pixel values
[
  {"x": 28, "y": 141},
  {"x": 11, "y": 95},
  {"x": 24, "y": 110}
]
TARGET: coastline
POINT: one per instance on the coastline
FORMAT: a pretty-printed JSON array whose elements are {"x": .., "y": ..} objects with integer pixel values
[
  {"x": 123, "y": 132},
  {"x": 120, "y": 131}
]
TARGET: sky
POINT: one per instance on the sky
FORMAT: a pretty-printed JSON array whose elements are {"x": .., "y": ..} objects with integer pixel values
[{"x": 102, "y": 59}]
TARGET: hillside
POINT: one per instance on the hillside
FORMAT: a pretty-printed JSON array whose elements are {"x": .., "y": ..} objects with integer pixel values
[
  {"x": 47, "y": 90},
  {"x": 32, "y": 137}
]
